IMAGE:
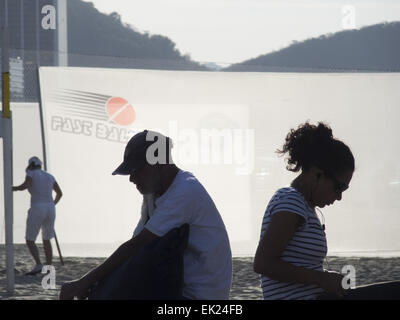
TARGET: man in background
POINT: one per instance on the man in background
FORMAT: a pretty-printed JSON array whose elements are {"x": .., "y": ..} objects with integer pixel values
[{"x": 42, "y": 213}]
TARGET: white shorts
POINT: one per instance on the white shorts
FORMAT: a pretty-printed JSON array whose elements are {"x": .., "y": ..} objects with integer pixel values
[{"x": 41, "y": 215}]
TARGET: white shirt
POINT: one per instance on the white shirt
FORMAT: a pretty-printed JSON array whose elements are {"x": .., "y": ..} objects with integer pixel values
[
  {"x": 42, "y": 186},
  {"x": 208, "y": 258}
]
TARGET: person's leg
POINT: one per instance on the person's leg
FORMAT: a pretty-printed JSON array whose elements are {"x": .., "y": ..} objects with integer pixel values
[
  {"x": 378, "y": 291},
  {"x": 33, "y": 250},
  {"x": 48, "y": 251},
  {"x": 48, "y": 232},
  {"x": 33, "y": 223}
]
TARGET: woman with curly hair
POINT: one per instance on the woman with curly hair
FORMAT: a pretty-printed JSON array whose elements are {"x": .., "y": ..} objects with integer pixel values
[{"x": 293, "y": 244}]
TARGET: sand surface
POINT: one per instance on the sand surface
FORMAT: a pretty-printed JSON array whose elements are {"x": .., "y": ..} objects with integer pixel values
[{"x": 245, "y": 284}]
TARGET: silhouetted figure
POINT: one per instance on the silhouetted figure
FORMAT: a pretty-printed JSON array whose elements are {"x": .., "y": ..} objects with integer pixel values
[
  {"x": 293, "y": 246},
  {"x": 144, "y": 267},
  {"x": 41, "y": 214}
]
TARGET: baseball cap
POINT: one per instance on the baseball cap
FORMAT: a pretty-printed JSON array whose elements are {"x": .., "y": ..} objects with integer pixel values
[
  {"x": 135, "y": 151},
  {"x": 35, "y": 160}
]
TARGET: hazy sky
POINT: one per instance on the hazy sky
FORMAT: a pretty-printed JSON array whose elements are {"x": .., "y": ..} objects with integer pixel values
[{"x": 228, "y": 31}]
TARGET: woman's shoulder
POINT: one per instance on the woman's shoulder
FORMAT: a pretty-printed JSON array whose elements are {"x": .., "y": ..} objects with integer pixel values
[
  {"x": 287, "y": 193},
  {"x": 287, "y": 199}
]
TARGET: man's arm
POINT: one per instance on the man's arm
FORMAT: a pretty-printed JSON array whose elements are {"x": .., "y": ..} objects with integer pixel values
[
  {"x": 27, "y": 184},
  {"x": 80, "y": 287},
  {"x": 58, "y": 191}
]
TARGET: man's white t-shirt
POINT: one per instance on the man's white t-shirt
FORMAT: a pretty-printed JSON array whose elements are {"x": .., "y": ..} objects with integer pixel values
[
  {"x": 42, "y": 186},
  {"x": 208, "y": 258}
]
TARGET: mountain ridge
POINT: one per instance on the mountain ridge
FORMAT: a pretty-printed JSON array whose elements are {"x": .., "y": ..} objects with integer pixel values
[{"x": 373, "y": 48}]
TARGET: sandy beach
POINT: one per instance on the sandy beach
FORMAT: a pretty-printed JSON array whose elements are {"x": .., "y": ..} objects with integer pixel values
[{"x": 245, "y": 285}]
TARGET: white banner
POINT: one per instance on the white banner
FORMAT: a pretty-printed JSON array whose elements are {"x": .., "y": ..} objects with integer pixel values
[{"x": 226, "y": 128}]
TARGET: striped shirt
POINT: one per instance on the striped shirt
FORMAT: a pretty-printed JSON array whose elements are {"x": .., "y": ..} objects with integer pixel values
[{"x": 306, "y": 249}]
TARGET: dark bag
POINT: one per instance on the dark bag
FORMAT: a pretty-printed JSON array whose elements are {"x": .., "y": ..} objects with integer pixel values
[{"x": 154, "y": 272}]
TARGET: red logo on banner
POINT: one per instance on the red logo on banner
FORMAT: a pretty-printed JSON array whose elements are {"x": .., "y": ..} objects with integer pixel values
[{"x": 120, "y": 111}]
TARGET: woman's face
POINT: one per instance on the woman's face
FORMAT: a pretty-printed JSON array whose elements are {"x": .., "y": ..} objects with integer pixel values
[{"x": 330, "y": 188}]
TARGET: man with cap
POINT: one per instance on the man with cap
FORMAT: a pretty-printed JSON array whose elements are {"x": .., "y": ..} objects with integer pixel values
[
  {"x": 41, "y": 214},
  {"x": 172, "y": 197}
]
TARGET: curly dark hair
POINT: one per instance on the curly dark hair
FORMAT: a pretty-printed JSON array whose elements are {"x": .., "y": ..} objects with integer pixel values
[{"x": 314, "y": 145}]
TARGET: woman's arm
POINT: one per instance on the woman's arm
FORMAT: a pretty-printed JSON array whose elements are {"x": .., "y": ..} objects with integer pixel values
[
  {"x": 58, "y": 191},
  {"x": 25, "y": 185},
  {"x": 282, "y": 227}
]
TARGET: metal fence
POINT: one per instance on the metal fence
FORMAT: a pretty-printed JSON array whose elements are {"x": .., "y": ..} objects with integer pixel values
[
  {"x": 24, "y": 65},
  {"x": 23, "y": 76}
]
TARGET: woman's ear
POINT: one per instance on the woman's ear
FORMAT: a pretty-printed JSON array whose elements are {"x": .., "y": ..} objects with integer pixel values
[{"x": 316, "y": 173}]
